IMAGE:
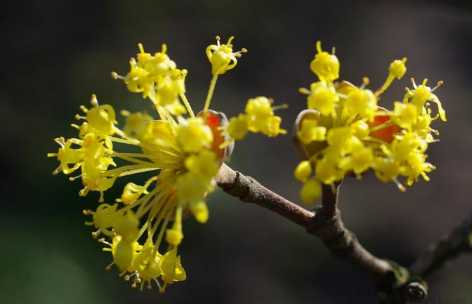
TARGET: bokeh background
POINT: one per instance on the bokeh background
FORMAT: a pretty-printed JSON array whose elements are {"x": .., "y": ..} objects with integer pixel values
[{"x": 56, "y": 53}]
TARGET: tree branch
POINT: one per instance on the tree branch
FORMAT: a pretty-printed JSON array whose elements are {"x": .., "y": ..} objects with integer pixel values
[
  {"x": 395, "y": 284},
  {"x": 325, "y": 223},
  {"x": 249, "y": 190},
  {"x": 449, "y": 247}
]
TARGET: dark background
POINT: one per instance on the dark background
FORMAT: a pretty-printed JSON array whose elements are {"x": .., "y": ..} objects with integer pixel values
[{"x": 56, "y": 53}]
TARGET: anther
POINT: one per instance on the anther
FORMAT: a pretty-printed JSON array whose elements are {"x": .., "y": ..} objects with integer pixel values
[
  {"x": 109, "y": 266},
  {"x": 115, "y": 76},
  {"x": 94, "y": 101},
  {"x": 438, "y": 85},
  {"x": 141, "y": 48}
]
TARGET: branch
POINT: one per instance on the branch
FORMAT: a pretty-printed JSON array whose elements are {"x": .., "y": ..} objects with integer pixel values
[
  {"x": 325, "y": 223},
  {"x": 394, "y": 283},
  {"x": 449, "y": 247},
  {"x": 249, "y": 190}
]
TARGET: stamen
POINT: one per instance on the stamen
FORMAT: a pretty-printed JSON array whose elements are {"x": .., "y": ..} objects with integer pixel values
[
  {"x": 304, "y": 91},
  {"x": 84, "y": 191},
  {"x": 87, "y": 212},
  {"x": 115, "y": 76},
  {"x": 83, "y": 108},
  {"x": 399, "y": 185},
  {"x": 94, "y": 101},
  {"x": 109, "y": 266},
  {"x": 438, "y": 85},
  {"x": 141, "y": 48},
  {"x": 164, "y": 48},
  {"x": 318, "y": 46},
  {"x": 73, "y": 178},
  {"x": 157, "y": 283},
  {"x": 57, "y": 170},
  {"x": 280, "y": 107},
  {"x": 187, "y": 105}
]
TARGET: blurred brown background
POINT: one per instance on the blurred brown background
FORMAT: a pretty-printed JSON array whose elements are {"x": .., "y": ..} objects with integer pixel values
[{"x": 56, "y": 53}]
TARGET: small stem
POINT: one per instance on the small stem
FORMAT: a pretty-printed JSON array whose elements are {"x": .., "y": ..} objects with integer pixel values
[
  {"x": 382, "y": 126},
  {"x": 187, "y": 105},
  {"x": 211, "y": 90}
]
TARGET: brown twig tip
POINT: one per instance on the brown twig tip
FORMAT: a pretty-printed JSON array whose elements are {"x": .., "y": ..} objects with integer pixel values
[{"x": 249, "y": 190}]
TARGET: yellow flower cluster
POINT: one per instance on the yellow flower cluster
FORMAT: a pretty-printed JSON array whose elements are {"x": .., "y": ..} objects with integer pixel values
[
  {"x": 143, "y": 229},
  {"x": 258, "y": 118},
  {"x": 344, "y": 131}
]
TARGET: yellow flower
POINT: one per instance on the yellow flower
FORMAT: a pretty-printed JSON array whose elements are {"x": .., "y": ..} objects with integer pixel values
[
  {"x": 238, "y": 127},
  {"x": 397, "y": 68},
  {"x": 325, "y": 65},
  {"x": 204, "y": 164},
  {"x": 172, "y": 270},
  {"x": 182, "y": 151},
  {"x": 326, "y": 170},
  {"x": 222, "y": 57},
  {"x": 323, "y": 98},
  {"x": 311, "y": 131},
  {"x": 360, "y": 102},
  {"x": 261, "y": 118},
  {"x": 386, "y": 169},
  {"x": 303, "y": 171},
  {"x": 311, "y": 191},
  {"x": 342, "y": 139},
  {"x": 417, "y": 166},
  {"x": 344, "y": 131},
  {"x": 158, "y": 65},
  {"x": 421, "y": 95},
  {"x": 193, "y": 135},
  {"x": 405, "y": 115},
  {"x": 360, "y": 129},
  {"x": 200, "y": 211},
  {"x": 360, "y": 159},
  {"x": 136, "y": 124}
]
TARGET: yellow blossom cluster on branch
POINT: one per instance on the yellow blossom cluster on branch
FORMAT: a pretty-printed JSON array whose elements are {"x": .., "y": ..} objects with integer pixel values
[
  {"x": 345, "y": 130},
  {"x": 182, "y": 151}
]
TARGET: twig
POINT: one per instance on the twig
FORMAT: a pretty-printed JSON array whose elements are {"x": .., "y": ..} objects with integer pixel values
[
  {"x": 325, "y": 223},
  {"x": 395, "y": 284},
  {"x": 249, "y": 190},
  {"x": 449, "y": 247}
]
